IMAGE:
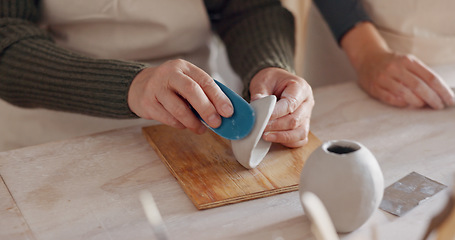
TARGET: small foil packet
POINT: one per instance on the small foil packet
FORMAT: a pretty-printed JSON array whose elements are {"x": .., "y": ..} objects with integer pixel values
[{"x": 408, "y": 192}]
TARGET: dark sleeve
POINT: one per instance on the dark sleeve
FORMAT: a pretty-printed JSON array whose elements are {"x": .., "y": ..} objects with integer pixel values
[
  {"x": 34, "y": 72},
  {"x": 257, "y": 34},
  {"x": 341, "y": 15}
]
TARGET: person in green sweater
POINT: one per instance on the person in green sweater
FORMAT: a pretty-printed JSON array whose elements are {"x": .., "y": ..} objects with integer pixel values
[{"x": 38, "y": 71}]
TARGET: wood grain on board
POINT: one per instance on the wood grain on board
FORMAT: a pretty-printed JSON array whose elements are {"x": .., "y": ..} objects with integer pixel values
[{"x": 208, "y": 172}]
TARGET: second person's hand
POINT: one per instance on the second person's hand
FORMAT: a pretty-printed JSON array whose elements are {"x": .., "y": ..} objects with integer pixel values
[
  {"x": 163, "y": 93},
  {"x": 403, "y": 81},
  {"x": 396, "y": 79}
]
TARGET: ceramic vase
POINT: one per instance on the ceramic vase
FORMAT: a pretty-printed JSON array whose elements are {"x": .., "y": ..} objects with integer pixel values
[{"x": 347, "y": 178}]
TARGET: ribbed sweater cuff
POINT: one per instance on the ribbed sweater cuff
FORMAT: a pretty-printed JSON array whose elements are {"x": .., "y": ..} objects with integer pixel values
[
  {"x": 341, "y": 16},
  {"x": 270, "y": 43},
  {"x": 36, "y": 73}
]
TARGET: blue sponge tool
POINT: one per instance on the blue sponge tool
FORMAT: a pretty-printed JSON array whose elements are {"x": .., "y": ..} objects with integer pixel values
[{"x": 240, "y": 124}]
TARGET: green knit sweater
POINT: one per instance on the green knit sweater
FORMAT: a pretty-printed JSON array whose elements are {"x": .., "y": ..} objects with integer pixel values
[{"x": 35, "y": 72}]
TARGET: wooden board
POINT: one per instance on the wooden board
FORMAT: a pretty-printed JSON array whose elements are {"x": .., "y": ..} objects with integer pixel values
[{"x": 208, "y": 172}]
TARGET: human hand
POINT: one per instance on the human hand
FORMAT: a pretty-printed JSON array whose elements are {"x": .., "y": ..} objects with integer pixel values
[
  {"x": 163, "y": 93},
  {"x": 290, "y": 120},
  {"x": 396, "y": 79},
  {"x": 403, "y": 81}
]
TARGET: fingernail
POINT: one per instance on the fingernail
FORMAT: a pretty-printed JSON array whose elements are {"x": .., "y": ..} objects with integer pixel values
[
  {"x": 257, "y": 96},
  {"x": 228, "y": 110},
  {"x": 452, "y": 101},
  {"x": 270, "y": 137},
  {"x": 439, "y": 105},
  {"x": 214, "y": 121}
]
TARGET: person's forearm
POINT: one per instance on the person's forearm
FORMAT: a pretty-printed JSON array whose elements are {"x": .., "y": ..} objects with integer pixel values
[
  {"x": 363, "y": 41},
  {"x": 34, "y": 72},
  {"x": 398, "y": 79},
  {"x": 342, "y": 15},
  {"x": 257, "y": 34}
]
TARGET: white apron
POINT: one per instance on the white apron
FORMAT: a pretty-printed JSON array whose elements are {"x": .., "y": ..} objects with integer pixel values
[
  {"x": 423, "y": 28},
  {"x": 144, "y": 30}
]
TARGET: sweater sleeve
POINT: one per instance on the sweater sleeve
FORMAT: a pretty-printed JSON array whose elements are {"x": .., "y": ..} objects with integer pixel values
[
  {"x": 342, "y": 15},
  {"x": 257, "y": 34},
  {"x": 36, "y": 73}
]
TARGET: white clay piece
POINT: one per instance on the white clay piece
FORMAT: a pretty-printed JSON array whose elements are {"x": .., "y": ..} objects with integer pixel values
[{"x": 252, "y": 149}]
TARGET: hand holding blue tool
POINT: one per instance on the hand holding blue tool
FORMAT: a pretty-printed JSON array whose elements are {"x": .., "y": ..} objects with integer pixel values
[{"x": 240, "y": 124}]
